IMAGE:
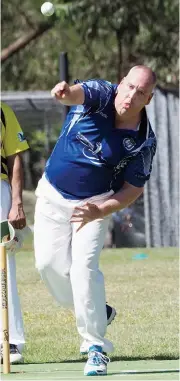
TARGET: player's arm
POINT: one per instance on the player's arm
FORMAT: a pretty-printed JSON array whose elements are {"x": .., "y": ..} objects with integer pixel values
[
  {"x": 15, "y": 174},
  {"x": 120, "y": 200},
  {"x": 136, "y": 174},
  {"x": 68, "y": 95},
  {"x": 92, "y": 94},
  {"x": 14, "y": 143}
]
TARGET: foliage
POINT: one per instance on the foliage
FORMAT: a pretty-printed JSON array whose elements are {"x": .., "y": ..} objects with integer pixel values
[
  {"x": 103, "y": 39},
  {"x": 40, "y": 149},
  {"x": 143, "y": 31}
]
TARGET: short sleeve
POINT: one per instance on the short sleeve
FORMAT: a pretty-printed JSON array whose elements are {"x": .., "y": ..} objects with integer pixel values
[
  {"x": 14, "y": 140},
  {"x": 139, "y": 168},
  {"x": 98, "y": 93}
]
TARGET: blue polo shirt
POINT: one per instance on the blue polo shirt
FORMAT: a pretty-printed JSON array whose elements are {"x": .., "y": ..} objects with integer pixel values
[{"x": 91, "y": 156}]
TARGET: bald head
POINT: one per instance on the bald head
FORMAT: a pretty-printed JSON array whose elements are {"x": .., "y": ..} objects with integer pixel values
[{"x": 146, "y": 72}]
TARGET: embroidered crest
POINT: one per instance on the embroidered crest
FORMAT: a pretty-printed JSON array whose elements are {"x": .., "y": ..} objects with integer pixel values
[
  {"x": 129, "y": 143},
  {"x": 21, "y": 136}
]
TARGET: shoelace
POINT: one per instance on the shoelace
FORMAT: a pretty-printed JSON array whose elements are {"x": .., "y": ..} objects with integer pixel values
[{"x": 98, "y": 357}]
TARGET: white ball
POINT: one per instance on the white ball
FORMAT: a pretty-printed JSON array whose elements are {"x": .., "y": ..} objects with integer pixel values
[{"x": 47, "y": 9}]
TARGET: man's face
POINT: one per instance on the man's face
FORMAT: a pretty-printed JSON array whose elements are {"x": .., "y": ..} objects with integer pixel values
[{"x": 134, "y": 92}]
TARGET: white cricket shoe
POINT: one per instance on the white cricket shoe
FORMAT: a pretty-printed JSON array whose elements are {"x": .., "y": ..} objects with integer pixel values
[
  {"x": 111, "y": 313},
  {"x": 15, "y": 356},
  {"x": 97, "y": 362}
]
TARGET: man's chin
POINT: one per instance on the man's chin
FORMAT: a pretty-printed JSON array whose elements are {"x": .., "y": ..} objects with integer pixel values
[{"x": 123, "y": 111}]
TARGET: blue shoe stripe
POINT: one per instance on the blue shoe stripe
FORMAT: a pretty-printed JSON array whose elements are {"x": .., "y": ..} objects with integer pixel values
[
  {"x": 91, "y": 373},
  {"x": 94, "y": 373},
  {"x": 95, "y": 348}
]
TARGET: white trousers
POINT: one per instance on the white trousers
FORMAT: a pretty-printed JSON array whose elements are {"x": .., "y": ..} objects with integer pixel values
[
  {"x": 69, "y": 261},
  {"x": 16, "y": 330}
]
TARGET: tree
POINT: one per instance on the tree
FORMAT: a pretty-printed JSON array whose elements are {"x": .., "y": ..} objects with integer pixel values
[
  {"x": 103, "y": 39},
  {"x": 145, "y": 31}
]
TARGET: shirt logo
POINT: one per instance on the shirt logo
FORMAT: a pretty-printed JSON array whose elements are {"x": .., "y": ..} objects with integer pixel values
[
  {"x": 93, "y": 151},
  {"x": 103, "y": 115},
  {"x": 21, "y": 136},
  {"x": 129, "y": 143}
]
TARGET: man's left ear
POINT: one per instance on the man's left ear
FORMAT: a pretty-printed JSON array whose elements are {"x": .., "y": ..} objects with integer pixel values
[{"x": 149, "y": 99}]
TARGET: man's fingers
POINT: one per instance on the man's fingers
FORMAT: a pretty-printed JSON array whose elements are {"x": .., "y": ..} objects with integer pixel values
[
  {"x": 60, "y": 90},
  {"x": 15, "y": 224},
  {"x": 58, "y": 93},
  {"x": 80, "y": 213},
  {"x": 80, "y": 208},
  {"x": 18, "y": 224},
  {"x": 21, "y": 225},
  {"x": 76, "y": 219},
  {"x": 88, "y": 204}
]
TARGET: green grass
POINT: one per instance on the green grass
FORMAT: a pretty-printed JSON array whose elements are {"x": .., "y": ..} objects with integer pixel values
[
  {"x": 144, "y": 293},
  {"x": 29, "y": 200}
]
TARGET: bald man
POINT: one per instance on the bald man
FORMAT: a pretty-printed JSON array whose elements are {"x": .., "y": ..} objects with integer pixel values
[{"x": 99, "y": 165}]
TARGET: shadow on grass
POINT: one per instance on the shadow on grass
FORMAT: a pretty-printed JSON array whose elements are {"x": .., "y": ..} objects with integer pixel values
[
  {"x": 144, "y": 372},
  {"x": 141, "y": 358},
  {"x": 113, "y": 358}
]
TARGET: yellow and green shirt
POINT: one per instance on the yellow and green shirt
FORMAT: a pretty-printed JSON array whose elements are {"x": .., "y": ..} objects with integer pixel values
[{"x": 12, "y": 138}]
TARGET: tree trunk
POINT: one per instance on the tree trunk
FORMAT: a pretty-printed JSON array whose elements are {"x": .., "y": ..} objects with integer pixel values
[
  {"x": 28, "y": 181},
  {"x": 120, "y": 58}
]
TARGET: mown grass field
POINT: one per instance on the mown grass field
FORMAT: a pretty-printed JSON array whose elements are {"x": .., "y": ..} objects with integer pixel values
[{"x": 144, "y": 292}]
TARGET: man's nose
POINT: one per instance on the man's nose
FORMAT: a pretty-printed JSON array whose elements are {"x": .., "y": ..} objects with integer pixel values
[{"x": 132, "y": 94}]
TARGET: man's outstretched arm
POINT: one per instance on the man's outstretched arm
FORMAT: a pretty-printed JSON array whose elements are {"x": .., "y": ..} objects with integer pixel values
[
  {"x": 93, "y": 93},
  {"x": 69, "y": 95}
]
